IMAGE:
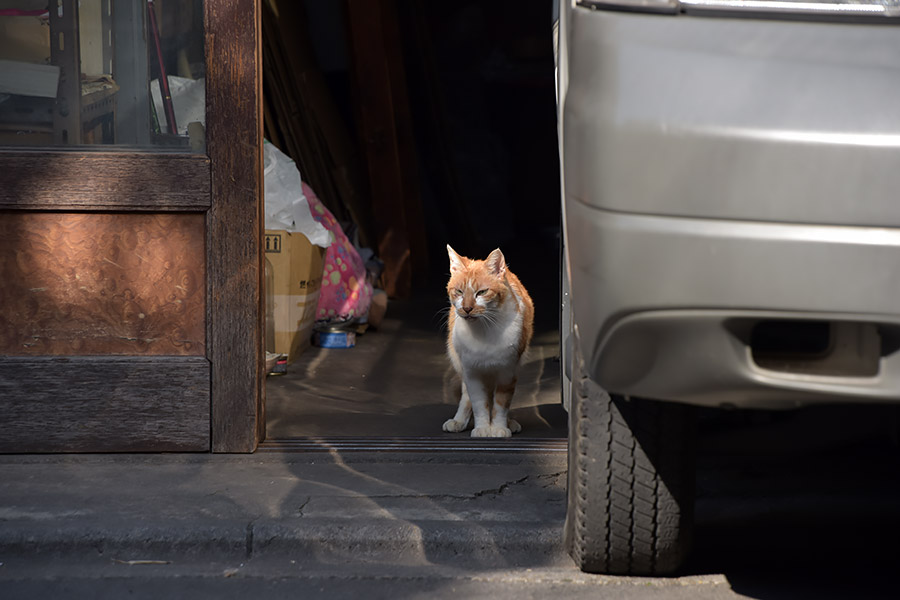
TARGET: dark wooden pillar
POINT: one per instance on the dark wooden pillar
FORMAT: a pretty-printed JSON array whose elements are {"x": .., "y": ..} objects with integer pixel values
[{"x": 235, "y": 223}]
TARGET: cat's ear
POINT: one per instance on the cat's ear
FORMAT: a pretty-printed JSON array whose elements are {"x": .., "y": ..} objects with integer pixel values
[
  {"x": 496, "y": 263},
  {"x": 457, "y": 262}
]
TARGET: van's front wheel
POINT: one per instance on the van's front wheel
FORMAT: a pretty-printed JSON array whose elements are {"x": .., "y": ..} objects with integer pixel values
[{"x": 630, "y": 483}]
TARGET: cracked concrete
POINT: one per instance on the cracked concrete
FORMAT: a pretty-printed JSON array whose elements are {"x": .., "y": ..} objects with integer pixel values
[
  {"x": 302, "y": 506},
  {"x": 394, "y": 507},
  {"x": 503, "y": 487}
]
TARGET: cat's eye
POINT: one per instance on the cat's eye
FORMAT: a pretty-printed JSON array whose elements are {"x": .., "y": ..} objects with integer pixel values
[
  {"x": 481, "y": 292},
  {"x": 458, "y": 292}
]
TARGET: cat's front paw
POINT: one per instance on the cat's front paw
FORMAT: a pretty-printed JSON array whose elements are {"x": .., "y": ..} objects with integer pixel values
[
  {"x": 454, "y": 426},
  {"x": 491, "y": 432},
  {"x": 513, "y": 425}
]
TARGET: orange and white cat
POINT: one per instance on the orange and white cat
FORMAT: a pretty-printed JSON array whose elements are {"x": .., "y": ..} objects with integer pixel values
[{"x": 490, "y": 326}]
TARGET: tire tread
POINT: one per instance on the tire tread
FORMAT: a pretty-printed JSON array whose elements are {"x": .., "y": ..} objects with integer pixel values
[{"x": 631, "y": 473}]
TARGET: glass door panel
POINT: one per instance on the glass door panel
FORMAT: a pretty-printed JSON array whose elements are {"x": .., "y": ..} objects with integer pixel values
[{"x": 128, "y": 73}]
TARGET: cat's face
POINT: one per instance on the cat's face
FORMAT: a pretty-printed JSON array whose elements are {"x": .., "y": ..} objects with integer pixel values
[{"x": 476, "y": 287}]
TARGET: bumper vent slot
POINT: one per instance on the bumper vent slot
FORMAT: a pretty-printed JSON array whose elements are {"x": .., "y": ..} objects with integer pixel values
[{"x": 818, "y": 348}]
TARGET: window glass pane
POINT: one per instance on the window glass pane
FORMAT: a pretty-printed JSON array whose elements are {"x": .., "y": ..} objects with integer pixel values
[{"x": 89, "y": 72}]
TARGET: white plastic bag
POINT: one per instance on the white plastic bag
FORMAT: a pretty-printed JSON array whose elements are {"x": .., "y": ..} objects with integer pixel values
[
  {"x": 188, "y": 99},
  {"x": 286, "y": 206}
]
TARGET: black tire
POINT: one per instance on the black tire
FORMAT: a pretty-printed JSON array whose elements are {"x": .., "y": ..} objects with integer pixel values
[{"x": 630, "y": 483}]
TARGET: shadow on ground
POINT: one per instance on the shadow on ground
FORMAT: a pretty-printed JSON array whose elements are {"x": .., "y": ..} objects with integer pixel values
[
  {"x": 800, "y": 504},
  {"x": 790, "y": 505},
  {"x": 397, "y": 382}
]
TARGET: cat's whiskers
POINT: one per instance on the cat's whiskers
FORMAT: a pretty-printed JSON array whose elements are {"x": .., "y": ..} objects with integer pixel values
[
  {"x": 491, "y": 317},
  {"x": 443, "y": 316}
]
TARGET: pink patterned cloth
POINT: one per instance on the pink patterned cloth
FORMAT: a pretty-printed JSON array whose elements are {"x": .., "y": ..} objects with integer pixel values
[{"x": 346, "y": 293}]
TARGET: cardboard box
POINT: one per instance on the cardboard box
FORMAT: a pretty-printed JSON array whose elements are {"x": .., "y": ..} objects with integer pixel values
[
  {"x": 294, "y": 276},
  {"x": 25, "y": 38}
]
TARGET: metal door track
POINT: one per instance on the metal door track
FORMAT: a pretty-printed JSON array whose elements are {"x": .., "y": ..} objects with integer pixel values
[{"x": 413, "y": 444}]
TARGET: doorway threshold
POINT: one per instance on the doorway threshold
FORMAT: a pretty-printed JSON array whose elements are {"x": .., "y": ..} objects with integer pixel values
[{"x": 414, "y": 444}]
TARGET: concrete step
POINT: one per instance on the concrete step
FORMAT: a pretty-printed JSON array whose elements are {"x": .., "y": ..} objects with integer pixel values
[{"x": 489, "y": 508}]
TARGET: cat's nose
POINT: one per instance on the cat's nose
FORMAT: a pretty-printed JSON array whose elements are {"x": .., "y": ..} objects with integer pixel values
[{"x": 468, "y": 309}]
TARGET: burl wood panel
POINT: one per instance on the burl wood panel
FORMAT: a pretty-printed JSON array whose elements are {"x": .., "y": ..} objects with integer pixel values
[
  {"x": 104, "y": 404},
  {"x": 96, "y": 283}
]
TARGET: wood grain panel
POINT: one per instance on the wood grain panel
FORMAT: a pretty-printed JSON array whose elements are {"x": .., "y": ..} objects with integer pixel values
[
  {"x": 104, "y": 404},
  {"x": 92, "y": 283},
  {"x": 60, "y": 180},
  {"x": 235, "y": 223}
]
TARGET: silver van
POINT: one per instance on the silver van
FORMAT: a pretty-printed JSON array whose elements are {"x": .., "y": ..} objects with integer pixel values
[{"x": 731, "y": 219}]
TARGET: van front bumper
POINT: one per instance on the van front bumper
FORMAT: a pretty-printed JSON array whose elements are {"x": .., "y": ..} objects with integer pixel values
[{"x": 663, "y": 305}]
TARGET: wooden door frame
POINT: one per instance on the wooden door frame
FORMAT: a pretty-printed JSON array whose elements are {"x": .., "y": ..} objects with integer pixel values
[
  {"x": 235, "y": 222},
  {"x": 227, "y": 185}
]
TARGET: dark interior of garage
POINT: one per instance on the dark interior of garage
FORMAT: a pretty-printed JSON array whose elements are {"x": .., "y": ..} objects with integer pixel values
[{"x": 418, "y": 125}]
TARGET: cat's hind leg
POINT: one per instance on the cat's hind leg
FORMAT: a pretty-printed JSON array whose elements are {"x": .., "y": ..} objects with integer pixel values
[
  {"x": 463, "y": 413},
  {"x": 501, "y": 424}
]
